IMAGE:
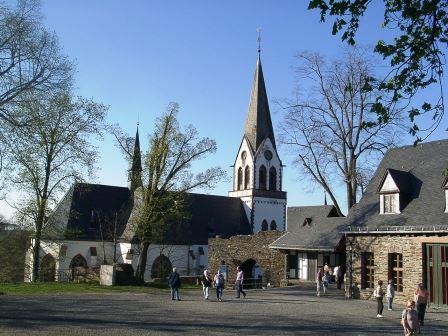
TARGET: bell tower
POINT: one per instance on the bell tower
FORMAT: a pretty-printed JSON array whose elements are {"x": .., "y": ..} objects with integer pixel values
[{"x": 258, "y": 170}]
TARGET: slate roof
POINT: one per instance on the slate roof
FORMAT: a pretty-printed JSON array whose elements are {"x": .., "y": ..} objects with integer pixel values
[
  {"x": 424, "y": 200},
  {"x": 311, "y": 228},
  {"x": 86, "y": 206},
  {"x": 210, "y": 216},
  {"x": 87, "y": 209},
  {"x": 258, "y": 123}
]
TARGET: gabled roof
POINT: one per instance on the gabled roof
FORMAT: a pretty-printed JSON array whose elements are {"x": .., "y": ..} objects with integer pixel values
[
  {"x": 322, "y": 232},
  {"x": 210, "y": 216},
  {"x": 425, "y": 201},
  {"x": 258, "y": 123},
  {"x": 89, "y": 211},
  {"x": 402, "y": 180}
]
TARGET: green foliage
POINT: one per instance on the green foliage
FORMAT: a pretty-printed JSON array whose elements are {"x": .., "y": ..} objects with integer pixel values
[{"x": 416, "y": 54}]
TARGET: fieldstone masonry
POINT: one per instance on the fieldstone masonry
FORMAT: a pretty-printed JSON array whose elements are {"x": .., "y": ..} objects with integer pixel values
[
  {"x": 235, "y": 250},
  {"x": 411, "y": 247}
]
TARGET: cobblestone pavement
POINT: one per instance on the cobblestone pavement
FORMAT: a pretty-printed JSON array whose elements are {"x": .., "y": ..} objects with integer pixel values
[{"x": 273, "y": 312}]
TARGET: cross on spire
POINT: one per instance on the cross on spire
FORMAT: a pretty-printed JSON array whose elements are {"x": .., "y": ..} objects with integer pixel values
[{"x": 259, "y": 39}]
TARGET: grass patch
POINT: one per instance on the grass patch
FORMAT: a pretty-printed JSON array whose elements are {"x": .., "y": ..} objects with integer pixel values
[{"x": 76, "y": 288}]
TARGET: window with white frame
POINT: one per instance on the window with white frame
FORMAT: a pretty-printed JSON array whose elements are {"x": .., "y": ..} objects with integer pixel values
[{"x": 389, "y": 203}]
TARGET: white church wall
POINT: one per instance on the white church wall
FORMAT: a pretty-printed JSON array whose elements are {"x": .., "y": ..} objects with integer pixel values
[
  {"x": 178, "y": 255},
  {"x": 262, "y": 160},
  {"x": 63, "y": 251},
  {"x": 242, "y": 163},
  {"x": 269, "y": 209}
]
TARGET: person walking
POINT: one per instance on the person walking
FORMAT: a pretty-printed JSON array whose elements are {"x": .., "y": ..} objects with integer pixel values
[
  {"x": 218, "y": 282},
  {"x": 390, "y": 294},
  {"x": 422, "y": 298},
  {"x": 379, "y": 294},
  {"x": 206, "y": 281},
  {"x": 409, "y": 319},
  {"x": 319, "y": 281},
  {"x": 174, "y": 283},
  {"x": 326, "y": 279},
  {"x": 239, "y": 283}
]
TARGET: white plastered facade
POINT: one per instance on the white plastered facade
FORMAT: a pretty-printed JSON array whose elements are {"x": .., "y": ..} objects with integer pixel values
[{"x": 63, "y": 252}]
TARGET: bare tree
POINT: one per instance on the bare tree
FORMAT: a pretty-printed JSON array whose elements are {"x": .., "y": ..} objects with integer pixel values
[
  {"x": 31, "y": 60},
  {"x": 332, "y": 133},
  {"x": 47, "y": 155},
  {"x": 168, "y": 179}
]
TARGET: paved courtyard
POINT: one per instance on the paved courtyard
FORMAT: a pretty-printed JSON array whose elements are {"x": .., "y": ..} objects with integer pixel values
[{"x": 274, "y": 312}]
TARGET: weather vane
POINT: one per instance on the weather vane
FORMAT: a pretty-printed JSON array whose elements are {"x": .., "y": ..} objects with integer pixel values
[{"x": 259, "y": 39}]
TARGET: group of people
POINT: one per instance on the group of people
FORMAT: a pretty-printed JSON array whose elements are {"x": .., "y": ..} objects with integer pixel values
[
  {"x": 217, "y": 281},
  {"x": 413, "y": 316},
  {"x": 327, "y": 275}
]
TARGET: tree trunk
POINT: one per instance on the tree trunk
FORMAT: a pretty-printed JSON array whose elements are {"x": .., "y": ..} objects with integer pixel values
[
  {"x": 36, "y": 258},
  {"x": 141, "y": 266},
  {"x": 36, "y": 247}
]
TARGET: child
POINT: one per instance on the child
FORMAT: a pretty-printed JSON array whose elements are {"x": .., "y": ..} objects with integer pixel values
[{"x": 409, "y": 319}]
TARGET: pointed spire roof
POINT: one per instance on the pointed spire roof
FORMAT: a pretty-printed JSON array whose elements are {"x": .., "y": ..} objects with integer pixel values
[
  {"x": 258, "y": 123},
  {"x": 137, "y": 157}
]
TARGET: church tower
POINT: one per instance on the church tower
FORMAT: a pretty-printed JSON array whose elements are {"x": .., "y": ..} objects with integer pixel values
[
  {"x": 135, "y": 173},
  {"x": 257, "y": 171}
]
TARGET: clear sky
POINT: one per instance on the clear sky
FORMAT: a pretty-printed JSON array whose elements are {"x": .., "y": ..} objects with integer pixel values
[{"x": 137, "y": 56}]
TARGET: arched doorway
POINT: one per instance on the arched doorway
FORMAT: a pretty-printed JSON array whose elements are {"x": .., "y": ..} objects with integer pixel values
[
  {"x": 78, "y": 267},
  {"x": 47, "y": 269},
  {"x": 253, "y": 273},
  {"x": 161, "y": 267}
]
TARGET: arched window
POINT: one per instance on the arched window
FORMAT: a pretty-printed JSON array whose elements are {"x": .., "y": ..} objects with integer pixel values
[
  {"x": 273, "y": 225},
  {"x": 240, "y": 179},
  {"x": 272, "y": 179},
  {"x": 47, "y": 269},
  {"x": 78, "y": 261},
  {"x": 264, "y": 226},
  {"x": 262, "y": 178},
  {"x": 246, "y": 178},
  {"x": 161, "y": 267}
]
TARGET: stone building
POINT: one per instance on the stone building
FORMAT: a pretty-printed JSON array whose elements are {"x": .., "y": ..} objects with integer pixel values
[{"x": 399, "y": 228}]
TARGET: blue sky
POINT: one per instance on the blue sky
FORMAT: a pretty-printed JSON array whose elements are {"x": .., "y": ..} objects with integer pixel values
[{"x": 137, "y": 56}]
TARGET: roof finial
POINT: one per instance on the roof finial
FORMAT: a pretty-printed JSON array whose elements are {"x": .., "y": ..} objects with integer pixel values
[{"x": 259, "y": 39}]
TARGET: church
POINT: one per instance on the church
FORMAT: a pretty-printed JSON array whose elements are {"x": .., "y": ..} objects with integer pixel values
[{"x": 91, "y": 224}]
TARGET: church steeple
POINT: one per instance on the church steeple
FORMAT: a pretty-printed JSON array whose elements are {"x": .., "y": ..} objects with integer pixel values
[
  {"x": 135, "y": 174},
  {"x": 258, "y": 123}
]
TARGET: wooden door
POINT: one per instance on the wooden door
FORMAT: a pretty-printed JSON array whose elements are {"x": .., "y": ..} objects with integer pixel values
[
  {"x": 312, "y": 266},
  {"x": 437, "y": 273}
]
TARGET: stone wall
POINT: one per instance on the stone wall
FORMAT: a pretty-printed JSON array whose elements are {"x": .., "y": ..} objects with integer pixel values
[
  {"x": 235, "y": 250},
  {"x": 411, "y": 247}
]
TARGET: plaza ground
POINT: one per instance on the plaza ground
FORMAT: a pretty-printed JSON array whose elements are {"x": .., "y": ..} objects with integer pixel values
[{"x": 288, "y": 311}]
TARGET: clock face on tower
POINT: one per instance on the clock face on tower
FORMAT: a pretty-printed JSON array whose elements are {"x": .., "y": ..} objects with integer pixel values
[{"x": 268, "y": 155}]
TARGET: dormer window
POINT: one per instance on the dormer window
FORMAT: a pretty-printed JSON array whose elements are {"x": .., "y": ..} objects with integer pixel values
[{"x": 393, "y": 186}]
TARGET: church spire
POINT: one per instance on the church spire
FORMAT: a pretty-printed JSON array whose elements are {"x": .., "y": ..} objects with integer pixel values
[
  {"x": 258, "y": 123},
  {"x": 135, "y": 175}
]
